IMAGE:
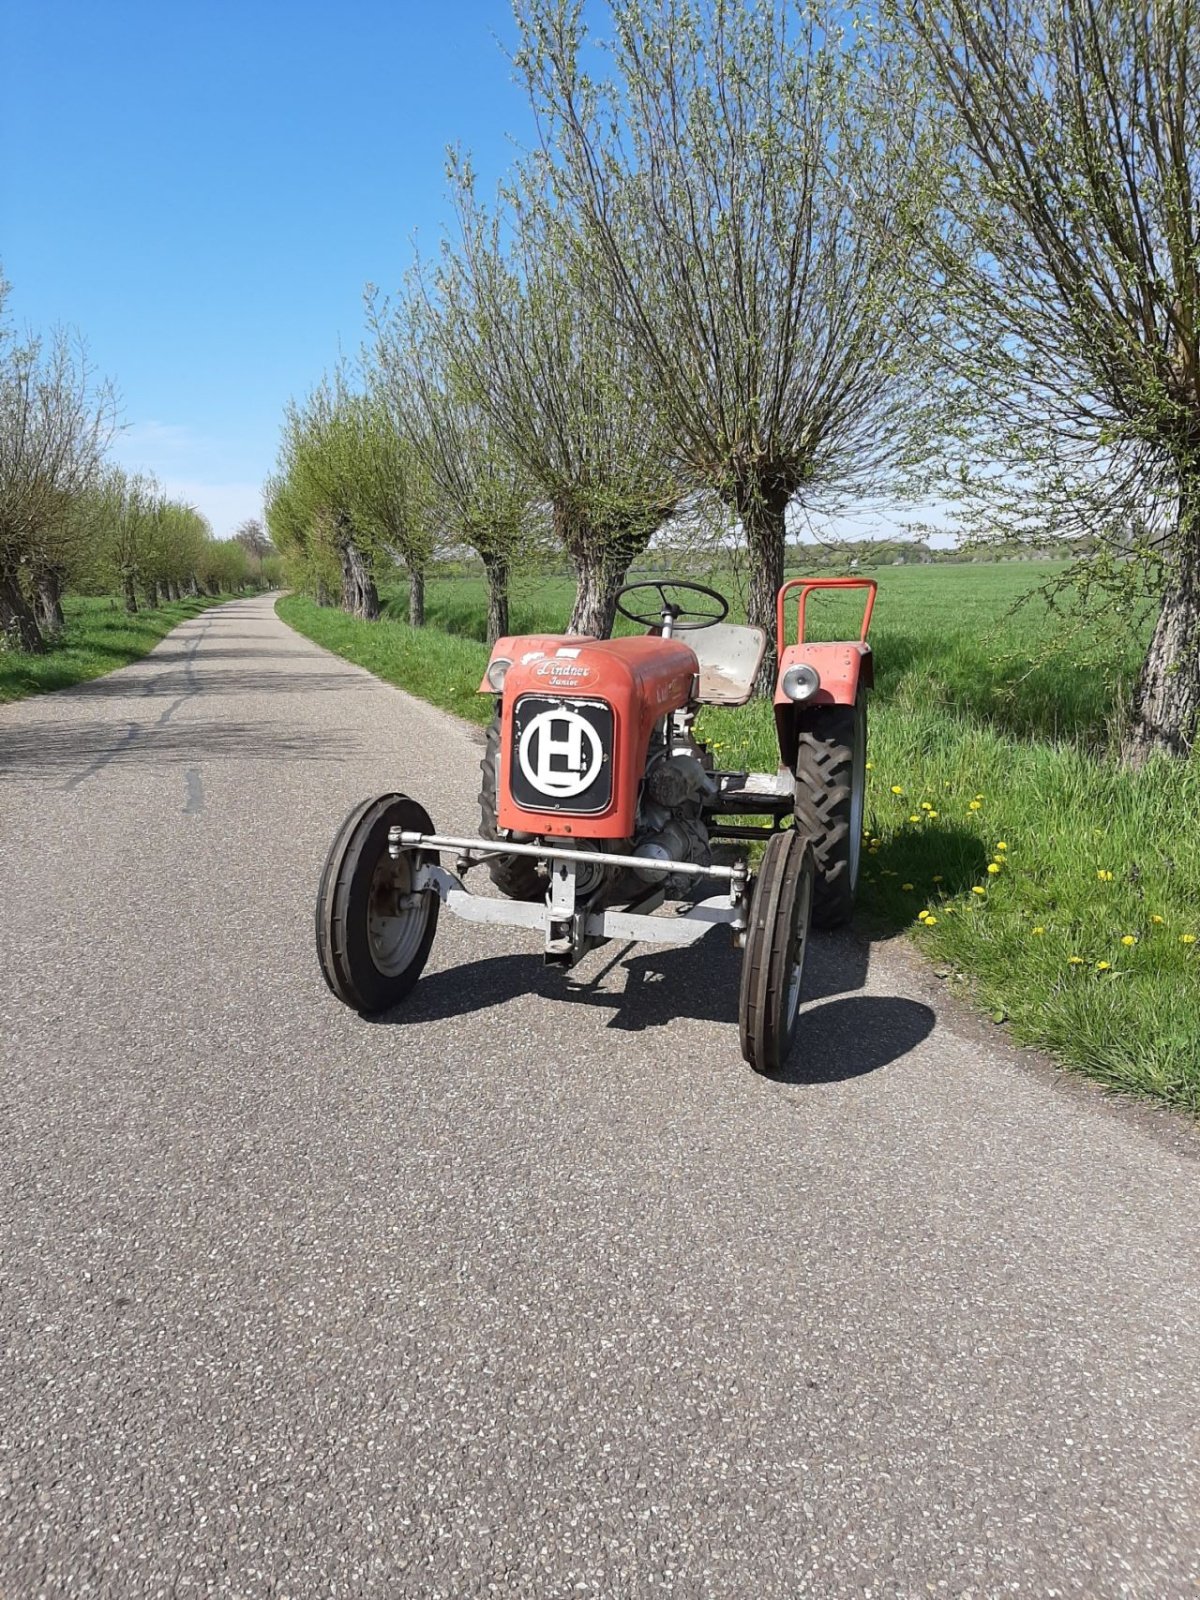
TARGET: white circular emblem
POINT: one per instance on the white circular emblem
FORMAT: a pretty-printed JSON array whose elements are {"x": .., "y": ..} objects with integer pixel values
[{"x": 560, "y": 753}]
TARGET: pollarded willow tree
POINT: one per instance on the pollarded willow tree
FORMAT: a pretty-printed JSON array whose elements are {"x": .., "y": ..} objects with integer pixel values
[
  {"x": 310, "y": 560},
  {"x": 344, "y": 486},
  {"x": 1072, "y": 277},
  {"x": 742, "y": 175},
  {"x": 55, "y": 423},
  {"x": 390, "y": 501},
  {"x": 477, "y": 494},
  {"x": 319, "y": 460},
  {"x": 549, "y": 358}
]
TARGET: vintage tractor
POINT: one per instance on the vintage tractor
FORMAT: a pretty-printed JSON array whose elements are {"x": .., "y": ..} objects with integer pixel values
[{"x": 599, "y": 803}]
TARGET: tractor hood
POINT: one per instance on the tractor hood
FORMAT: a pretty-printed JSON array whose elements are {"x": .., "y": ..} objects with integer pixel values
[
  {"x": 661, "y": 671},
  {"x": 576, "y": 719}
]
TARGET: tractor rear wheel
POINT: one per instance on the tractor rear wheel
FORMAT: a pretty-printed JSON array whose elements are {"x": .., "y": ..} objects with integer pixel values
[
  {"x": 514, "y": 876},
  {"x": 831, "y": 783},
  {"x": 776, "y": 944},
  {"x": 373, "y": 932}
]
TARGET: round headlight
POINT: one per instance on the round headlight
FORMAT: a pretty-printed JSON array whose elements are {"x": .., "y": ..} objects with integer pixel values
[
  {"x": 801, "y": 682},
  {"x": 497, "y": 672}
]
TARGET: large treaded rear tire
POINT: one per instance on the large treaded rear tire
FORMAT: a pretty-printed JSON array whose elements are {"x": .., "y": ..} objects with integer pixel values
[
  {"x": 514, "y": 876},
  {"x": 830, "y": 788}
]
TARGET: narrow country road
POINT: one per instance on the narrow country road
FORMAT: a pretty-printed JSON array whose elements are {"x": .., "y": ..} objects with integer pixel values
[{"x": 534, "y": 1289}]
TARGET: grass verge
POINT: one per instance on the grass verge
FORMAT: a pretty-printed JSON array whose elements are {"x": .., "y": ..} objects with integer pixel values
[
  {"x": 99, "y": 637},
  {"x": 439, "y": 667},
  {"x": 1061, "y": 892}
]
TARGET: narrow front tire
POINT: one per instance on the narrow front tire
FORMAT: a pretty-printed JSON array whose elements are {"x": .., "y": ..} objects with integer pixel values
[
  {"x": 373, "y": 931},
  {"x": 776, "y": 945}
]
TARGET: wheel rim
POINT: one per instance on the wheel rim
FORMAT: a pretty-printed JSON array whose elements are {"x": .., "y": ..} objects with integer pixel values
[
  {"x": 394, "y": 931},
  {"x": 858, "y": 795}
]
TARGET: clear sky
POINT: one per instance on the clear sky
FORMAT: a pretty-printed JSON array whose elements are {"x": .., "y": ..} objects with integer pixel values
[{"x": 204, "y": 189}]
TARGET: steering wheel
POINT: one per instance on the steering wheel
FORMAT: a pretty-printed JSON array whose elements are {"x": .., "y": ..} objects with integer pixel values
[{"x": 703, "y": 619}]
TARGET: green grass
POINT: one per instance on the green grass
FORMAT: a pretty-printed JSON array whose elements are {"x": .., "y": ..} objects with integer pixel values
[
  {"x": 991, "y": 739},
  {"x": 441, "y": 668},
  {"x": 99, "y": 637}
]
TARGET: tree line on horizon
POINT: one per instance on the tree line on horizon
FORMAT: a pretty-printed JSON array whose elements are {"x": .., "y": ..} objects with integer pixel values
[{"x": 73, "y": 521}]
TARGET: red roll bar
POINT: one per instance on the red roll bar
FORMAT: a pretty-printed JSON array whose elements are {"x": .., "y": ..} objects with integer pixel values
[{"x": 806, "y": 586}]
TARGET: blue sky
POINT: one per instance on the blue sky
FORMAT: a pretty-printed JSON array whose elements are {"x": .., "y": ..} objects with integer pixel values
[{"x": 204, "y": 189}]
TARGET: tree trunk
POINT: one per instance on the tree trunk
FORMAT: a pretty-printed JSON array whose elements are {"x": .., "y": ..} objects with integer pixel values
[
  {"x": 323, "y": 593},
  {"x": 496, "y": 568},
  {"x": 601, "y": 559},
  {"x": 191, "y": 588},
  {"x": 763, "y": 523},
  {"x": 416, "y": 598},
  {"x": 130, "y": 587},
  {"x": 359, "y": 594},
  {"x": 47, "y": 601},
  {"x": 1165, "y": 714},
  {"x": 17, "y": 621},
  {"x": 152, "y": 594}
]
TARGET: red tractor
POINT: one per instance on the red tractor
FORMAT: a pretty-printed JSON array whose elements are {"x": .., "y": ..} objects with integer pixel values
[{"x": 599, "y": 803}]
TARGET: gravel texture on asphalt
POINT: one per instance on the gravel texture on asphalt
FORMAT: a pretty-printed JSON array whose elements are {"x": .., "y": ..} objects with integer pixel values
[{"x": 532, "y": 1288}]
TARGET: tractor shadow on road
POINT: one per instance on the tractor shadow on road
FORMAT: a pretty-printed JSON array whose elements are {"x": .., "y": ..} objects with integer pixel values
[{"x": 841, "y": 1034}]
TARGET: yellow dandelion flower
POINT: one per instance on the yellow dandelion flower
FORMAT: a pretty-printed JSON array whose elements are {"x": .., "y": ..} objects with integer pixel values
[
  {"x": 1104, "y": 875},
  {"x": 1129, "y": 938},
  {"x": 931, "y": 922},
  {"x": 1075, "y": 961},
  {"x": 914, "y": 817},
  {"x": 1187, "y": 938},
  {"x": 1037, "y": 932},
  {"x": 938, "y": 878},
  {"x": 1104, "y": 966},
  {"x": 1000, "y": 845},
  {"x": 921, "y": 915},
  {"x": 1157, "y": 921},
  {"x": 932, "y": 814},
  {"x": 974, "y": 806},
  {"x": 896, "y": 789},
  {"x": 925, "y": 806},
  {"x": 993, "y": 867},
  {"x": 978, "y": 890},
  {"x": 870, "y": 766},
  {"x": 906, "y": 885}
]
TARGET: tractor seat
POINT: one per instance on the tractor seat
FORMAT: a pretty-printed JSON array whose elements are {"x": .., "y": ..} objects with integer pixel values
[{"x": 729, "y": 658}]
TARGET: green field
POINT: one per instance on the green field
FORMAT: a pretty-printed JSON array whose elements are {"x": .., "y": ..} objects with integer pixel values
[
  {"x": 988, "y": 736},
  {"x": 99, "y": 637}
]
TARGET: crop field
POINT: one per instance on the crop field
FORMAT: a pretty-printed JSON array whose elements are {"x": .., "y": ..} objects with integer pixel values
[{"x": 1057, "y": 890}]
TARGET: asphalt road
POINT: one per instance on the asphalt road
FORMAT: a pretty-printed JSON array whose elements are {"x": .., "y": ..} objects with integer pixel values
[{"x": 533, "y": 1289}]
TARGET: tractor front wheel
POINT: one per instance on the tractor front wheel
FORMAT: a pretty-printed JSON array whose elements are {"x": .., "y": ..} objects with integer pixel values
[
  {"x": 831, "y": 783},
  {"x": 373, "y": 931},
  {"x": 776, "y": 944}
]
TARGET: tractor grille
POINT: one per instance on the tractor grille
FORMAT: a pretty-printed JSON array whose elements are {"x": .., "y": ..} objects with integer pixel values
[{"x": 561, "y": 757}]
